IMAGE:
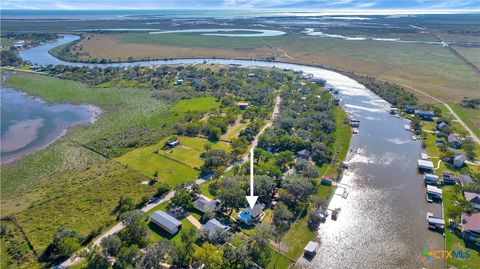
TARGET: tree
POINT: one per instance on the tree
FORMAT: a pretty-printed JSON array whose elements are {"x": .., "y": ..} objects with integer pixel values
[
  {"x": 264, "y": 187},
  {"x": 214, "y": 159},
  {"x": 208, "y": 146},
  {"x": 236, "y": 253},
  {"x": 182, "y": 199},
  {"x": 96, "y": 259},
  {"x": 125, "y": 204},
  {"x": 163, "y": 188},
  {"x": 214, "y": 134},
  {"x": 156, "y": 254},
  {"x": 136, "y": 230},
  {"x": 318, "y": 202},
  {"x": 284, "y": 158},
  {"x": 208, "y": 256},
  {"x": 111, "y": 244},
  {"x": 306, "y": 169},
  {"x": 313, "y": 220},
  {"x": 281, "y": 217},
  {"x": 127, "y": 257},
  {"x": 65, "y": 243},
  {"x": 232, "y": 195},
  {"x": 320, "y": 153},
  {"x": 298, "y": 186},
  {"x": 184, "y": 251},
  {"x": 9, "y": 57}
]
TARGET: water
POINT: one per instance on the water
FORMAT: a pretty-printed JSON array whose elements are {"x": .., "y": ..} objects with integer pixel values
[
  {"x": 220, "y": 32},
  {"x": 29, "y": 124},
  {"x": 382, "y": 223}
]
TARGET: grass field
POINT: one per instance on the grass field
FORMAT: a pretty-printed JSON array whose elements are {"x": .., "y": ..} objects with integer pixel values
[
  {"x": 174, "y": 166},
  {"x": 432, "y": 69},
  {"x": 12, "y": 241},
  {"x": 201, "y": 104},
  {"x": 471, "y": 117},
  {"x": 235, "y": 129}
]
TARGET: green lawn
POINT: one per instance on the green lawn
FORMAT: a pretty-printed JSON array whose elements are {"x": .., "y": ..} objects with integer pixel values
[
  {"x": 202, "y": 104},
  {"x": 234, "y": 130},
  {"x": 471, "y": 117},
  {"x": 341, "y": 145},
  {"x": 297, "y": 237},
  {"x": 278, "y": 261},
  {"x": 205, "y": 191}
]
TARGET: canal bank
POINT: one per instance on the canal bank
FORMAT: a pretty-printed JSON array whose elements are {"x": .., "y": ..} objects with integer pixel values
[{"x": 382, "y": 222}]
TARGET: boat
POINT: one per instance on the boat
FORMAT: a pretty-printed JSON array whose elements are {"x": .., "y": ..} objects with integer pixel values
[
  {"x": 335, "y": 213},
  {"x": 407, "y": 127},
  {"x": 397, "y": 115},
  {"x": 414, "y": 137},
  {"x": 356, "y": 131}
]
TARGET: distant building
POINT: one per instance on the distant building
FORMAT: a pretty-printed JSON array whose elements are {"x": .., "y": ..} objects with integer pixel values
[
  {"x": 473, "y": 198},
  {"x": 336, "y": 101},
  {"x": 213, "y": 226},
  {"x": 326, "y": 181},
  {"x": 459, "y": 160},
  {"x": 179, "y": 82},
  {"x": 172, "y": 144},
  {"x": 166, "y": 222},
  {"x": 204, "y": 205},
  {"x": 470, "y": 226},
  {"x": 242, "y": 105},
  {"x": 303, "y": 154},
  {"x": 440, "y": 126},
  {"x": 424, "y": 115},
  {"x": 318, "y": 81},
  {"x": 18, "y": 44},
  {"x": 465, "y": 180},
  {"x": 410, "y": 109},
  {"x": 453, "y": 141}
]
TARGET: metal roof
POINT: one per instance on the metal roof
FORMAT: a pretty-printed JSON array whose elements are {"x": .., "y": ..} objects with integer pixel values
[{"x": 165, "y": 219}]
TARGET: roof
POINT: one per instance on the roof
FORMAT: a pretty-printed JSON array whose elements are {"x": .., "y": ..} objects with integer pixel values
[
  {"x": 472, "y": 197},
  {"x": 165, "y": 219},
  {"x": 203, "y": 204},
  {"x": 213, "y": 226},
  {"x": 442, "y": 124},
  {"x": 411, "y": 107},
  {"x": 452, "y": 138},
  {"x": 461, "y": 157},
  {"x": 303, "y": 152},
  {"x": 311, "y": 247},
  {"x": 433, "y": 190},
  {"x": 425, "y": 164},
  {"x": 257, "y": 210},
  {"x": 435, "y": 220},
  {"x": 424, "y": 113},
  {"x": 465, "y": 180},
  {"x": 470, "y": 222},
  {"x": 242, "y": 103}
]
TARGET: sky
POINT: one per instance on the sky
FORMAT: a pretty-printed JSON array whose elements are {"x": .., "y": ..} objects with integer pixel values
[{"x": 244, "y": 4}]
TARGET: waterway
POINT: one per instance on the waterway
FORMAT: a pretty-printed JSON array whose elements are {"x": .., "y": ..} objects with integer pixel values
[{"x": 382, "y": 223}]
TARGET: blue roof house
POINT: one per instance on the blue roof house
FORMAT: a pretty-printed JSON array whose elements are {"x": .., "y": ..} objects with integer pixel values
[{"x": 424, "y": 115}]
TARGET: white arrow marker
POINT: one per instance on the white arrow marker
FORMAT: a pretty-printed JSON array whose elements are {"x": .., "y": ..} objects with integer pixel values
[{"x": 251, "y": 199}]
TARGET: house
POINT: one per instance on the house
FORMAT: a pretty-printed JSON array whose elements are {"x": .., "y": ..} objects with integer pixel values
[
  {"x": 326, "y": 181},
  {"x": 251, "y": 215},
  {"x": 18, "y": 44},
  {"x": 473, "y": 198},
  {"x": 204, "y": 205},
  {"x": 179, "y": 82},
  {"x": 354, "y": 123},
  {"x": 410, "y": 109},
  {"x": 318, "y": 81},
  {"x": 430, "y": 179},
  {"x": 336, "y": 101},
  {"x": 242, "y": 105},
  {"x": 465, "y": 180},
  {"x": 453, "y": 141},
  {"x": 439, "y": 126},
  {"x": 459, "y": 160},
  {"x": 434, "y": 192},
  {"x": 213, "y": 226},
  {"x": 303, "y": 154},
  {"x": 448, "y": 178},
  {"x": 172, "y": 144},
  {"x": 435, "y": 223},
  {"x": 470, "y": 224},
  {"x": 425, "y": 165},
  {"x": 310, "y": 249},
  {"x": 166, "y": 222},
  {"x": 424, "y": 115}
]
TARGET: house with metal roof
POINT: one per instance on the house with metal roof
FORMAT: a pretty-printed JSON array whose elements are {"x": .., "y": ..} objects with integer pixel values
[
  {"x": 410, "y": 109},
  {"x": 213, "y": 226},
  {"x": 251, "y": 215},
  {"x": 459, "y": 160},
  {"x": 204, "y": 205},
  {"x": 470, "y": 226},
  {"x": 166, "y": 222},
  {"x": 425, "y": 165},
  {"x": 473, "y": 198},
  {"x": 424, "y": 115},
  {"x": 453, "y": 141},
  {"x": 430, "y": 179}
]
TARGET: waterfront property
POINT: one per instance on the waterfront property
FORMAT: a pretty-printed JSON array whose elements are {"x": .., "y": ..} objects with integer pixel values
[
  {"x": 430, "y": 179},
  {"x": 434, "y": 193},
  {"x": 166, "y": 222},
  {"x": 470, "y": 224},
  {"x": 410, "y": 109},
  {"x": 424, "y": 115},
  {"x": 473, "y": 198},
  {"x": 425, "y": 165},
  {"x": 311, "y": 249}
]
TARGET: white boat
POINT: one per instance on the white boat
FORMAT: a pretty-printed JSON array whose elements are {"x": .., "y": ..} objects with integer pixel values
[{"x": 398, "y": 116}]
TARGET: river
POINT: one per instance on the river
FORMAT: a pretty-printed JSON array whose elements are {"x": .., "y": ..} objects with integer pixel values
[{"x": 382, "y": 223}]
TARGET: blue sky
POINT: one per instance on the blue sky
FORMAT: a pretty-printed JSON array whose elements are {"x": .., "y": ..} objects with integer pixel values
[{"x": 245, "y": 4}]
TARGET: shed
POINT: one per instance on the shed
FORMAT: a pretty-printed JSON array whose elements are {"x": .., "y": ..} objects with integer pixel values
[
  {"x": 166, "y": 222},
  {"x": 242, "y": 105},
  {"x": 311, "y": 249},
  {"x": 173, "y": 143},
  {"x": 448, "y": 178},
  {"x": 213, "y": 226},
  {"x": 326, "y": 181},
  {"x": 425, "y": 165}
]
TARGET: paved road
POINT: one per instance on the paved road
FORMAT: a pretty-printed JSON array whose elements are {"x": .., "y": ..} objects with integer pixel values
[{"x": 472, "y": 134}]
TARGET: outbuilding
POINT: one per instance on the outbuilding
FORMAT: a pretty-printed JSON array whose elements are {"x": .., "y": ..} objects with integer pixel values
[
  {"x": 459, "y": 160},
  {"x": 430, "y": 179},
  {"x": 311, "y": 249},
  {"x": 425, "y": 165},
  {"x": 166, "y": 222}
]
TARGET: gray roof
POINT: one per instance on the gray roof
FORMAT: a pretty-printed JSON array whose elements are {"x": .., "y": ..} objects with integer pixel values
[
  {"x": 303, "y": 152},
  {"x": 452, "y": 138},
  {"x": 165, "y": 219},
  {"x": 425, "y": 164},
  {"x": 465, "y": 180},
  {"x": 257, "y": 210},
  {"x": 203, "y": 205},
  {"x": 213, "y": 226},
  {"x": 311, "y": 247},
  {"x": 472, "y": 197}
]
